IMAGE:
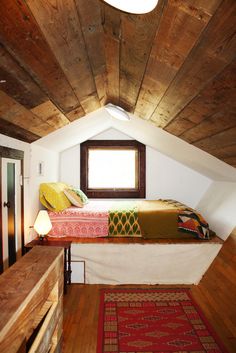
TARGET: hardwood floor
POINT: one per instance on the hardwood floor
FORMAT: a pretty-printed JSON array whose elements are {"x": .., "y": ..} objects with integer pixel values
[{"x": 215, "y": 294}]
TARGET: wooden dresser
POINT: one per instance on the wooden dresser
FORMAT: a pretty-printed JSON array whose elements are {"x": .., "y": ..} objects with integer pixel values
[{"x": 31, "y": 302}]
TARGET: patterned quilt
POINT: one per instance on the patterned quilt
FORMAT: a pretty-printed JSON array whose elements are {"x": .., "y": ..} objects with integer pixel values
[
  {"x": 194, "y": 223},
  {"x": 91, "y": 221},
  {"x": 150, "y": 219},
  {"x": 123, "y": 219}
]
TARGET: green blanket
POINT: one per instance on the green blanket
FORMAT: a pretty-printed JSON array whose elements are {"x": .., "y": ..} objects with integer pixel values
[
  {"x": 123, "y": 219},
  {"x": 154, "y": 219},
  {"x": 159, "y": 219}
]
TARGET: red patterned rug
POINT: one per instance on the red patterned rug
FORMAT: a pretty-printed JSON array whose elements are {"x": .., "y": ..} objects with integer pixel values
[{"x": 151, "y": 321}]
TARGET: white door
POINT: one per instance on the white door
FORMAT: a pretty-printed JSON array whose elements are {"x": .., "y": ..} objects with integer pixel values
[{"x": 11, "y": 210}]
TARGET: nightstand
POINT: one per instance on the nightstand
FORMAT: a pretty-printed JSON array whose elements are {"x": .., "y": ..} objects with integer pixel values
[{"x": 67, "y": 254}]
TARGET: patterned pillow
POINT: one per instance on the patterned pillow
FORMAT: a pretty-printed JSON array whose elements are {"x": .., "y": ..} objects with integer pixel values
[
  {"x": 76, "y": 197},
  {"x": 81, "y": 194}
]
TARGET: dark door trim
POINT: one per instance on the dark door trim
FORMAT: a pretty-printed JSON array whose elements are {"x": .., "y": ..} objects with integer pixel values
[{"x": 7, "y": 152}]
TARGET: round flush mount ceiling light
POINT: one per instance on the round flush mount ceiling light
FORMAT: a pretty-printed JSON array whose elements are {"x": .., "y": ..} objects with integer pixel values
[
  {"x": 117, "y": 112},
  {"x": 134, "y": 6}
]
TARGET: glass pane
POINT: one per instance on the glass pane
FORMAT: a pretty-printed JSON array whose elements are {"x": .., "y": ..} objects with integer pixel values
[{"x": 108, "y": 169}]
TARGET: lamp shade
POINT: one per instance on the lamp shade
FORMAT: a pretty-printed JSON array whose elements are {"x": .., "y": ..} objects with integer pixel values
[
  {"x": 42, "y": 223},
  {"x": 117, "y": 112},
  {"x": 133, "y": 6}
]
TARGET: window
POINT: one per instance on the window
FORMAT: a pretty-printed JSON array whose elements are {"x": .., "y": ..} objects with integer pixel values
[{"x": 113, "y": 169}]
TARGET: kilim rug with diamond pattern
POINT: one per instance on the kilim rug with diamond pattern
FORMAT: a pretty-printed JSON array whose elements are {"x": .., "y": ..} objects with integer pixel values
[{"x": 151, "y": 321}]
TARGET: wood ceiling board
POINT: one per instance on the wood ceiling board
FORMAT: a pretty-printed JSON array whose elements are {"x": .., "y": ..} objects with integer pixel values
[
  {"x": 75, "y": 114},
  {"x": 172, "y": 66},
  {"x": 17, "y": 132},
  {"x": 16, "y": 114},
  {"x": 190, "y": 113},
  {"x": 137, "y": 35},
  {"x": 175, "y": 148},
  {"x": 215, "y": 50},
  {"x": 177, "y": 126},
  {"x": 223, "y": 139},
  {"x": 209, "y": 127},
  {"x": 91, "y": 24},
  {"x": 180, "y": 27},
  {"x": 19, "y": 84},
  {"x": 230, "y": 160},
  {"x": 49, "y": 113},
  {"x": 225, "y": 152},
  {"x": 111, "y": 26},
  {"x": 78, "y": 131},
  {"x": 218, "y": 97},
  {"x": 59, "y": 22},
  {"x": 21, "y": 35},
  {"x": 208, "y": 6},
  {"x": 11, "y": 86}
]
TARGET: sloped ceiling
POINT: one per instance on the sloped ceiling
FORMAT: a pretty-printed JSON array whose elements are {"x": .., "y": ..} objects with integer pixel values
[
  {"x": 94, "y": 123},
  {"x": 174, "y": 67}
]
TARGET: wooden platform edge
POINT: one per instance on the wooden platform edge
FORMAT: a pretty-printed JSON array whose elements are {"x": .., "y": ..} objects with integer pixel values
[{"x": 136, "y": 240}]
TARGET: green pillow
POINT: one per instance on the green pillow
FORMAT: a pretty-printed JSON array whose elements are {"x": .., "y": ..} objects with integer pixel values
[{"x": 81, "y": 194}]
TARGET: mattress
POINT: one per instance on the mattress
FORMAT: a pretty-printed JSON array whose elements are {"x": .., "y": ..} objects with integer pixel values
[{"x": 149, "y": 219}]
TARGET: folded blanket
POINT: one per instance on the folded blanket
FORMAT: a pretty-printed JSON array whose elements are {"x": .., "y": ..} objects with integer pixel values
[
  {"x": 170, "y": 219},
  {"x": 193, "y": 223},
  {"x": 159, "y": 219}
]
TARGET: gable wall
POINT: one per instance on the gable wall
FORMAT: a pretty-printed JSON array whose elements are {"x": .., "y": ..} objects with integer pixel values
[
  {"x": 218, "y": 205},
  {"x": 165, "y": 178}
]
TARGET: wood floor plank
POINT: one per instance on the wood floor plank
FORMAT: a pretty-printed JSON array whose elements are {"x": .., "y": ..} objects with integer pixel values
[{"x": 215, "y": 295}]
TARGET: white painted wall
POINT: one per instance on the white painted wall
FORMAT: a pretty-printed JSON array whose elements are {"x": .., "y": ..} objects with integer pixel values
[
  {"x": 50, "y": 160},
  {"x": 218, "y": 205},
  {"x": 32, "y": 156},
  {"x": 94, "y": 123},
  {"x": 69, "y": 166},
  {"x": 165, "y": 178}
]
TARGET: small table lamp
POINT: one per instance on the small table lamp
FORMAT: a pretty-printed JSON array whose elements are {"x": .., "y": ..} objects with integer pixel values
[{"x": 42, "y": 224}]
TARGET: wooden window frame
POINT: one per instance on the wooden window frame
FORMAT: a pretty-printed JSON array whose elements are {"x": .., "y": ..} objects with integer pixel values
[{"x": 139, "y": 192}]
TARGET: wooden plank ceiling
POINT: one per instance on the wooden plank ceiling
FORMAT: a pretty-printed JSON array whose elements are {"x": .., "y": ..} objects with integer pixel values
[{"x": 175, "y": 67}]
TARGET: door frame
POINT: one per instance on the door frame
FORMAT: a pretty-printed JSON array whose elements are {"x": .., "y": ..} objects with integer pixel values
[{"x": 11, "y": 153}]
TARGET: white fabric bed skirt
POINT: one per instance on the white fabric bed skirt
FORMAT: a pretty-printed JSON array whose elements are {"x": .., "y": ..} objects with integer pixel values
[{"x": 145, "y": 263}]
